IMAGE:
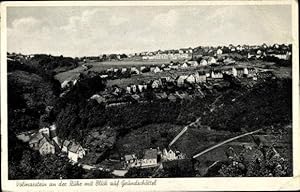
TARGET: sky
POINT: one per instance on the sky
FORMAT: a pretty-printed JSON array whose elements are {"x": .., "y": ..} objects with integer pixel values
[{"x": 91, "y": 31}]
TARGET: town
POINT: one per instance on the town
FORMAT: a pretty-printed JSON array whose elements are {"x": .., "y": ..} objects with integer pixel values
[{"x": 144, "y": 78}]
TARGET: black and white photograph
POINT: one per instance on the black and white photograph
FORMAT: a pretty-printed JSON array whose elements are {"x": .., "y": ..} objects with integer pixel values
[{"x": 148, "y": 91}]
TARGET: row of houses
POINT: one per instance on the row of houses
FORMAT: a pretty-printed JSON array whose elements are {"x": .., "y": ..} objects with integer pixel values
[
  {"x": 173, "y": 85},
  {"x": 151, "y": 158},
  {"x": 46, "y": 141},
  {"x": 157, "y": 69},
  {"x": 176, "y": 56}
]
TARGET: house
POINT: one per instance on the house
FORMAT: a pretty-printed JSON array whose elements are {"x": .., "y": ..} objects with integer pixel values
[
  {"x": 276, "y": 46},
  {"x": 164, "y": 80},
  {"x": 116, "y": 90},
  {"x": 219, "y": 51},
  {"x": 134, "y": 70},
  {"x": 184, "y": 65},
  {"x": 200, "y": 77},
  {"x": 174, "y": 67},
  {"x": 233, "y": 72},
  {"x": 110, "y": 70},
  {"x": 142, "y": 87},
  {"x": 191, "y": 79},
  {"x": 116, "y": 70},
  {"x": 34, "y": 140},
  {"x": 152, "y": 68},
  {"x": 42, "y": 143},
  {"x": 239, "y": 71},
  {"x": 128, "y": 89},
  {"x": 156, "y": 84},
  {"x": 53, "y": 135},
  {"x": 142, "y": 68},
  {"x": 180, "y": 80},
  {"x": 211, "y": 60},
  {"x": 150, "y": 158},
  {"x": 75, "y": 151},
  {"x": 46, "y": 146},
  {"x": 203, "y": 62},
  {"x": 168, "y": 155},
  {"x": 264, "y": 46},
  {"x": 123, "y": 70},
  {"x": 246, "y": 72},
  {"x": 130, "y": 159},
  {"x": 193, "y": 63},
  {"x": 133, "y": 88},
  {"x": 251, "y": 72},
  {"x": 103, "y": 76},
  {"x": 25, "y": 136},
  {"x": 156, "y": 70},
  {"x": 45, "y": 131},
  {"x": 216, "y": 74},
  {"x": 229, "y": 61},
  {"x": 258, "y": 52},
  {"x": 66, "y": 84}
]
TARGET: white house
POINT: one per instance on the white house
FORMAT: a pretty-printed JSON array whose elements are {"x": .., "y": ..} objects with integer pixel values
[
  {"x": 234, "y": 71},
  {"x": 180, "y": 80},
  {"x": 45, "y": 131},
  {"x": 216, "y": 74},
  {"x": 184, "y": 65},
  {"x": 46, "y": 146},
  {"x": 155, "y": 84},
  {"x": 134, "y": 70},
  {"x": 200, "y": 77},
  {"x": 65, "y": 84},
  {"x": 191, "y": 79},
  {"x": 133, "y": 88},
  {"x": 128, "y": 89},
  {"x": 212, "y": 60},
  {"x": 168, "y": 155},
  {"x": 75, "y": 152},
  {"x": 193, "y": 63},
  {"x": 142, "y": 87},
  {"x": 156, "y": 70},
  {"x": 123, "y": 70},
  {"x": 34, "y": 140},
  {"x": 219, "y": 51},
  {"x": 246, "y": 72},
  {"x": 203, "y": 62},
  {"x": 116, "y": 70}
]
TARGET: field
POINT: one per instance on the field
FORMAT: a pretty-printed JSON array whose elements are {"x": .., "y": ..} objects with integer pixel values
[{"x": 100, "y": 66}]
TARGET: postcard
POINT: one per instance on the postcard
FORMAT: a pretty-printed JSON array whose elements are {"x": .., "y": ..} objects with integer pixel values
[{"x": 150, "y": 96}]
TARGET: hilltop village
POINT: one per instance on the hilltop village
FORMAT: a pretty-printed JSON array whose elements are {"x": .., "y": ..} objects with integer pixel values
[{"x": 117, "y": 113}]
